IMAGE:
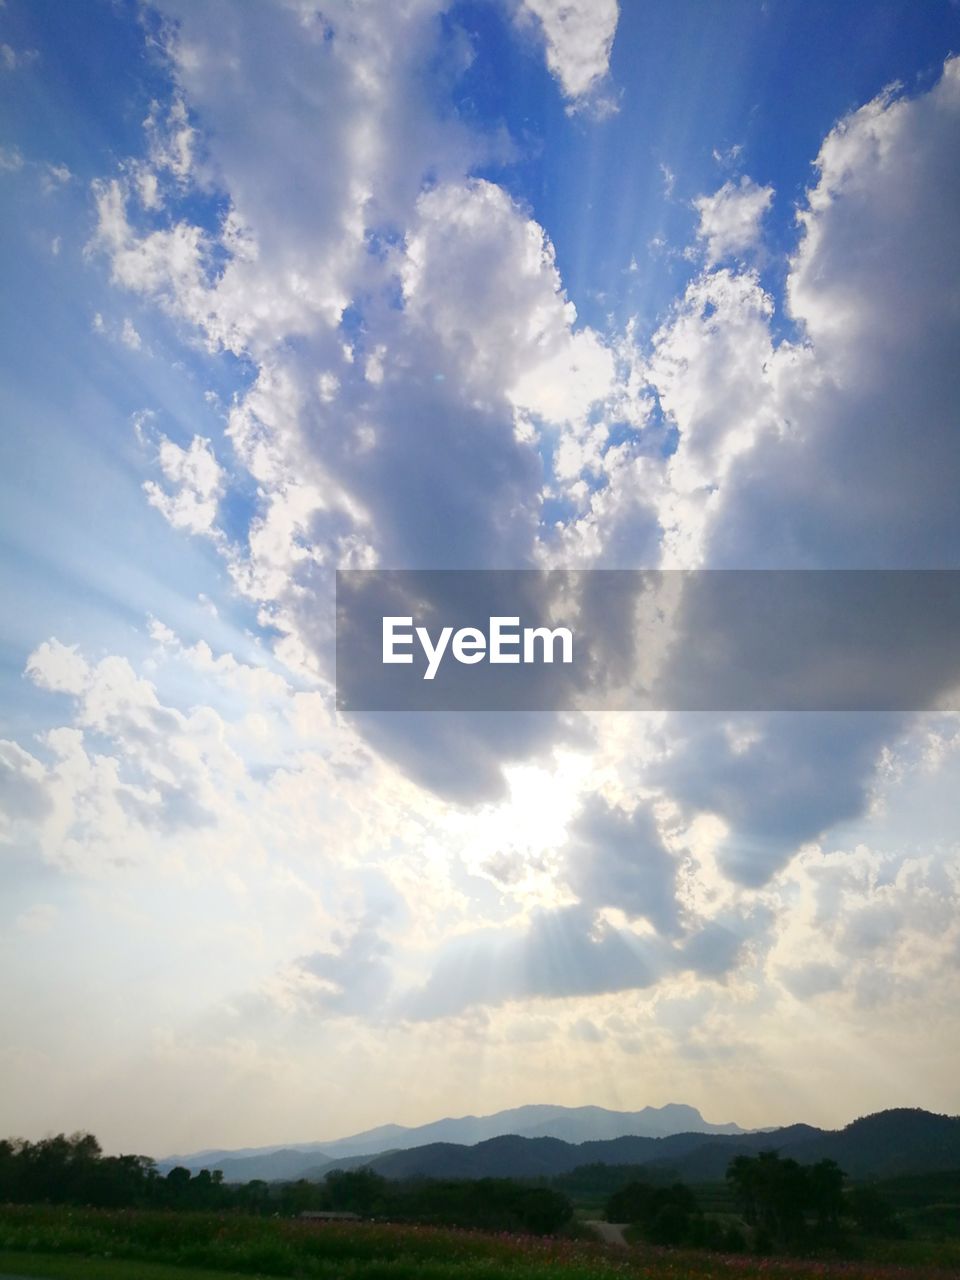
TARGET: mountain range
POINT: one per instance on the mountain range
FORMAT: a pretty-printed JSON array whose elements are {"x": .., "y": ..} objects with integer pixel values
[
  {"x": 569, "y": 1124},
  {"x": 886, "y": 1144}
]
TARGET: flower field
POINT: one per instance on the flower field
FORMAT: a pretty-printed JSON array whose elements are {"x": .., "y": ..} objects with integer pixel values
[{"x": 379, "y": 1251}]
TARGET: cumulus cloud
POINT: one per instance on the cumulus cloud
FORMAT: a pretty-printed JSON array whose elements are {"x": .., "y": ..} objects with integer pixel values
[
  {"x": 58, "y": 667},
  {"x": 170, "y": 264},
  {"x": 619, "y": 860},
  {"x": 196, "y": 479},
  {"x": 834, "y": 450},
  {"x": 421, "y": 388},
  {"x": 483, "y": 277},
  {"x": 23, "y": 794},
  {"x": 125, "y": 766},
  {"x": 579, "y": 37},
  {"x": 366, "y": 430},
  {"x": 882, "y": 924},
  {"x": 777, "y": 781},
  {"x": 715, "y": 369},
  {"x": 343, "y": 120},
  {"x": 412, "y": 385},
  {"x": 854, "y": 469},
  {"x": 730, "y": 219},
  {"x": 718, "y": 946},
  {"x": 482, "y": 296}
]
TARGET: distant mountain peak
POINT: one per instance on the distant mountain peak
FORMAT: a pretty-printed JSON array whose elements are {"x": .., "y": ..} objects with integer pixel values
[
  {"x": 544, "y": 1141},
  {"x": 572, "y": 1125}
]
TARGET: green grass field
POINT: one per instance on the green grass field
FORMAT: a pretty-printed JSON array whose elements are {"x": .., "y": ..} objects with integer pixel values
[
  {"x": 84, "y": 1244},
  {"x": 52, "y": 1266}
]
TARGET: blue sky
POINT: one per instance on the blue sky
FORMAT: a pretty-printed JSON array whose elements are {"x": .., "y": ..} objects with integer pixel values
[{"x": 503, "y": 284}]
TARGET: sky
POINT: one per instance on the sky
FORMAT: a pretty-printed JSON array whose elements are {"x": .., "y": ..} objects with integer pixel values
[{"x": 294, "y": 287}]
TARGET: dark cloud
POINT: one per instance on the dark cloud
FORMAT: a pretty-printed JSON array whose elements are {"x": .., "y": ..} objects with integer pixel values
[
  {"x": 716, "y": 948},
  {"x": 460, "y": 755},
  {"x": 864, "y": 475},
  {"x": 777, "y": 780},
  {"x": 356, "y": 975},
  {"x": 617, "y": 859},
  {"x": 567, "y": 951},
  {"x": 858, "y": 463}
]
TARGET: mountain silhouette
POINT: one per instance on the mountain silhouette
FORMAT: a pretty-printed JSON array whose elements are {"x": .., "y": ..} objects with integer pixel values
[
  {"x": 570, "y": 1124},
  {"x": 887, "y": 1144}
]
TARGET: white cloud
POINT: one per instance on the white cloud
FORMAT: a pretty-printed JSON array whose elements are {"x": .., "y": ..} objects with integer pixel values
[
  {"x": 15, "y": 59},
  {"x": 170, "y": 264},
  {"x": 837, "y": 449},
  {"x": 579, "y": 37},
  {"x": 728, "y": 157},
  {"x": 197, "y": 482},
  {"x": 344, "y": 128},
  {"x": 23, "y": 796},
  {"x": 148, "y": 189},
  {"x": 129, "y": 335},
  {"x": 172, "y": 140},
  {"x": 857, "y": 471},
  {"x": 483, "y": 277},
  {"x": 458, "y": 393},
  {"x": 55, "y": 176},
  {"x": 847, "y": 286},
  {"x": 354, "y": 466},
  {"x": 486, "y": 336},
  {"x": 715, "y": 368},
  {"x": 730, "y": 219},
  {"x": 58, "y": 667},
  {"x": 11, "y": 161}
]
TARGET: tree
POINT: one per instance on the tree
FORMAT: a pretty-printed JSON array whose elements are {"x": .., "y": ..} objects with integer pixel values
[
  {"x": 826, "y": 1191},
  {"x": 664, "y": 1214},
  {"x": 776, "y": 1195},
  {"x": 355, "y": 1190},
  {"x": 631, "y": 1203},
  {"x": 872, "y": 1212}
]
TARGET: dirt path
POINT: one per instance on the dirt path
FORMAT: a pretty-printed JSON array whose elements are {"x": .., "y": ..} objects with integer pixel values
[{"x": 610, "y": 1232}]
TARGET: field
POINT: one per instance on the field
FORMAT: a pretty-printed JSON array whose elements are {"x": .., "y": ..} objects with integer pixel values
[
  {"x": 84, "y": 1244},
  {"x": 52, "y": 1266}
]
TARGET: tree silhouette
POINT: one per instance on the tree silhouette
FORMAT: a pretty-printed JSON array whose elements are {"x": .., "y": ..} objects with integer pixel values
[{"x": 776, "y": 1196}]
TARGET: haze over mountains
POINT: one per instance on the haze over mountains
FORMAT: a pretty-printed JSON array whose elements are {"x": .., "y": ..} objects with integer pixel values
[
  {"x": 525, "y": 1143},
  {"x": 569, "y": 1124}
]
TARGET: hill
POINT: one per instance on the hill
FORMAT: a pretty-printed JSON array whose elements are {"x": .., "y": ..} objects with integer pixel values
[
  {"x": 888, "y": 1144},
  {"x": 569, "y": 1124}
]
